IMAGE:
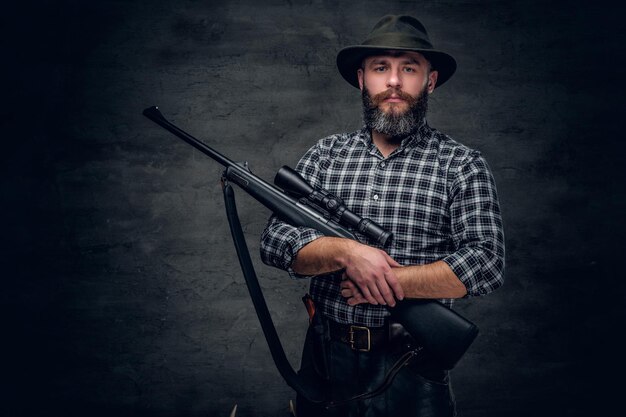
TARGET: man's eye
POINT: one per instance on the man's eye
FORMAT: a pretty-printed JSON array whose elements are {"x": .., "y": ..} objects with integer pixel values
[
  {"x": 379, "y": 69},
  {"x": 409, "y": 69}
]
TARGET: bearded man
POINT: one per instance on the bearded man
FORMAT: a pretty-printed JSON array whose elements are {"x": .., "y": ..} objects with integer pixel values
[{"x": 435, "y": 195}]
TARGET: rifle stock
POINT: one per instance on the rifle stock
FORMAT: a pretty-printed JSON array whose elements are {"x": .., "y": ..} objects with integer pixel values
[{"x": 444, "y": 333}]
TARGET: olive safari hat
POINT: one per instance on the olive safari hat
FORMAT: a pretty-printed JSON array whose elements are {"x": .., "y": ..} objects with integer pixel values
[{"x": 398, "y": 33}]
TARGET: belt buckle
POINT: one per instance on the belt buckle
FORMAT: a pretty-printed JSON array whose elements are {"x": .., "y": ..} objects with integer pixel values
[{"x": 369, "y": 338}]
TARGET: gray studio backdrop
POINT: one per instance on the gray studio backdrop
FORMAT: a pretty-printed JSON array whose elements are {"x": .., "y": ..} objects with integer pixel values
[{"x": 125, "y": 294}]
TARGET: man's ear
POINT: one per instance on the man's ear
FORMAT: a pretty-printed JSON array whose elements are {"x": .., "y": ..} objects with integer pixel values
[
  {"x": 432, "y": 81},
  {"x": 360, "y": 74}
]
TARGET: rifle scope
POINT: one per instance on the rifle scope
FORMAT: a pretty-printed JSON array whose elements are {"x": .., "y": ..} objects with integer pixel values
[{"x": 292, "y": 183}]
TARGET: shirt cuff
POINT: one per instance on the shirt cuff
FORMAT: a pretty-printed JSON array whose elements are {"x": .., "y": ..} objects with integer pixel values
[
  {"x": 467, "y": 267},
  {"x": 297, "y": 241}
]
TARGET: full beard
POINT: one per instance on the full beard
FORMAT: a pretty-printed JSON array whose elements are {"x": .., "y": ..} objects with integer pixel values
[{"x": 394, "y": 123}]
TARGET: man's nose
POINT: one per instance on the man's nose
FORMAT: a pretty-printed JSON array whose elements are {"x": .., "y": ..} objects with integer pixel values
[{"x": 394, "y": 80}]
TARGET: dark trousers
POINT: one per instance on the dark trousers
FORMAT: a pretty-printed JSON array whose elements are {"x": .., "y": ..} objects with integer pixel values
[{"x": 418, "y": 390}]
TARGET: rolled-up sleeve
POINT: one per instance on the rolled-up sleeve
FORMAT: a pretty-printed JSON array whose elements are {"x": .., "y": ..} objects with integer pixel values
[
  {"x": 280, "y": 241},
  {"x": 477, "y": 232}
]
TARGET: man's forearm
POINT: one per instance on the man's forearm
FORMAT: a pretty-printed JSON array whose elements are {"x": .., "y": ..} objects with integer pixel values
[
  {"x": 322, "y": 256},
  {"x": 432, "y": 281},
  {"x": 329, "y": 254},
  {"x": 435, "y": 280}
]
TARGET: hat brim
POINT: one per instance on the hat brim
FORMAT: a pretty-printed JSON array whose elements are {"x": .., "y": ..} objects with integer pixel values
[{"x": 349, "y": 61}]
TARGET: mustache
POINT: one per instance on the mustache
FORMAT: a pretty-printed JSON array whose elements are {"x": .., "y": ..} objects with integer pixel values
[{"x": 380, "y": 97}]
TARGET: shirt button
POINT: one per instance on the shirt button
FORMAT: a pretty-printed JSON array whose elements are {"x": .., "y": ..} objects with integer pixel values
[
  {"x": 375, "y": 197},
  {"x": 382, "y": 164}
]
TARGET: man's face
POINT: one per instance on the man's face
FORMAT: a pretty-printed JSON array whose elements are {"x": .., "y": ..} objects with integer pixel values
[
  {"x": 397, "y": 72},
  {"x": 395, "y": 88}
]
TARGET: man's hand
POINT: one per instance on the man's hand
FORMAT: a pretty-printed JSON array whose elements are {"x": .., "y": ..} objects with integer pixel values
[
  {"x": 369, "y": 269},
  {"x": 434, "y": 280},
  {"x": 351, "y": 292},
  {"x": 369, "y": 277}
]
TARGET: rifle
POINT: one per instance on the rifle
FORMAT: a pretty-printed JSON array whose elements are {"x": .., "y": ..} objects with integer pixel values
[{"x": 445, "y": 334}]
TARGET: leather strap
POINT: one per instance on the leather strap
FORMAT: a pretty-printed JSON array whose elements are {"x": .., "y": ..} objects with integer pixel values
[
  {"x": 307, "y": 390},
  {"x": 400, "y": 363}
]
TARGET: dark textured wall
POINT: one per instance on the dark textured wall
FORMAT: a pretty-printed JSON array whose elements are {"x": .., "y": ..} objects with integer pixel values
[{"x": 121, "y": 289}]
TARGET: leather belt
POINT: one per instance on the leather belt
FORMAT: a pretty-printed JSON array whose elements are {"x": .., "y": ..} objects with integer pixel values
[{"x": 361, "y": 338}]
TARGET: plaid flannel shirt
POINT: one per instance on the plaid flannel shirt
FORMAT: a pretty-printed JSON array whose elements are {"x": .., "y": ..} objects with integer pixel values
[{"x": 436, "y": 196}]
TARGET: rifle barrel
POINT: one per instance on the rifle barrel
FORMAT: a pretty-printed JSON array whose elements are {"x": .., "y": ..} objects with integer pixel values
[{"x": 157, "y": 117}]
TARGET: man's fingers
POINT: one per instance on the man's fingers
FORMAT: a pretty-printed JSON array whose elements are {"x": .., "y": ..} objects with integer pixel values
[
  {"x": 386, "y": 292},
  {"x": 348, "y": 285},
  {"x": 356, "y": 300},
  {"x": 351, "y": 292},
  {"x": 392, "y": 280},
  {"x": 368, "y": 295},
  {"x": 375, "y": 291}
]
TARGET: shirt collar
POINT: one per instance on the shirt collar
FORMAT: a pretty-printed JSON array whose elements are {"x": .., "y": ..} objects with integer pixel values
[{"x": 414, "y": 140}]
